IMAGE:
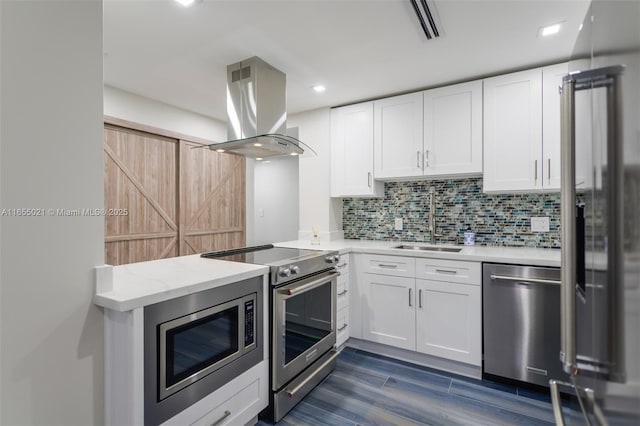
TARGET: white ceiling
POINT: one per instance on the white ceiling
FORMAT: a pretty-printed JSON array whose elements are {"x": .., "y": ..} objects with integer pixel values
[{"x": 358, "y": 49}]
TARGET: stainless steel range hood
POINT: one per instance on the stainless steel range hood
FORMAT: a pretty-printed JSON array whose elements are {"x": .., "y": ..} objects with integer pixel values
[{"x": 257, "y": 113}]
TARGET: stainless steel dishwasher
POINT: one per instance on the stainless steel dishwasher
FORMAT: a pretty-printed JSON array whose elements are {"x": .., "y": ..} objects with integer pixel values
[{"x": 521, "y": 323}]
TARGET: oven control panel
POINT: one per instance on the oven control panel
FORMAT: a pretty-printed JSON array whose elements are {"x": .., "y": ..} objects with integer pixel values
[
  {"x": 249, "y": 323},
  {"x": 332, "y": 258}
]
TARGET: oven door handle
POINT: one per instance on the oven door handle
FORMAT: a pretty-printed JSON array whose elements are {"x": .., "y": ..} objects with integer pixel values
[{"x": 302, "y": 287}]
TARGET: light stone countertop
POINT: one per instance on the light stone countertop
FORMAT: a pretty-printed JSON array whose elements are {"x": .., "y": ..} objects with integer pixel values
[
  {"x": 131, "y": 286},
  {"x": 511, "y": 255}
]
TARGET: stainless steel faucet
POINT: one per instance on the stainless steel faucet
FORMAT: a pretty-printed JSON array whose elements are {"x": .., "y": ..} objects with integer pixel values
[{"x": 432, "y": 215}]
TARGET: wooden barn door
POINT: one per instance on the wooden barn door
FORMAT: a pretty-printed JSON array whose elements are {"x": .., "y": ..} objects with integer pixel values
[
  {"x": 178, "y": 200},
  {"x": 140, "y": 177},
  {"x": 212, "y": 200}
]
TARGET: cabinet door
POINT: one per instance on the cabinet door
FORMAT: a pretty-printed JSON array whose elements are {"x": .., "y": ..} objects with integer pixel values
[
  {"x": 453, "y": 129},
  {"x": 388, "y": 310},
  {"x": 551, "y": 82},
  {"x": 398, "y": 136},
  {"x": 513, "y": 132},
  {"x": 352, "y": 152},
  {"x": 449, "y": 320}
]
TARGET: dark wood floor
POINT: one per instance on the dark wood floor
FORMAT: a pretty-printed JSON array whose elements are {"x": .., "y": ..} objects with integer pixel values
[{"x": 368, "y": 389}]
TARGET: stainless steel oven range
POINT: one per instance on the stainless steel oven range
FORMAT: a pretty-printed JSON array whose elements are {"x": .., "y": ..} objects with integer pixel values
[
  {"x": 196, "y": 343},
  {"x": 302, "y": 312}
]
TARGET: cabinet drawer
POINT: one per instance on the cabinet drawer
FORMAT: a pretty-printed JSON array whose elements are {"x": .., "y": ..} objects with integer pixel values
[
  {"x": 343, "y": 264},
  {"x": 389, "y": 265},
  {"x": 343, "y": 298},
  {"x": 230, "y": 411},
  {"x": 449, "y": 270},
  {"x": 342, "y": 327},
  {"x": 343, "y": 284}
]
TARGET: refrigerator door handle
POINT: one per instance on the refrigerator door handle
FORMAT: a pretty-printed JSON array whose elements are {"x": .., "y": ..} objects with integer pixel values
[
  {"x": 556, "y": 402},
  {"x": 568, "y": 227},
  {"x": 572, "y": 249},
  {"x": 586, "y": 400}
]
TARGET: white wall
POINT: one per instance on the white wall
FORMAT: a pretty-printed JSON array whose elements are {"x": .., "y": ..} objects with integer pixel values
[
  {"x": 51, "y": 157},
  {"x": 275, "y": 202},
  {"x": 317, "y": 208},
  {"x": 142, "y": 110}
]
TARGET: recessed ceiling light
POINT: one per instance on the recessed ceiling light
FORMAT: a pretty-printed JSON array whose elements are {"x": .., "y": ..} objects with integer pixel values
[
  {"x": 259, "y": 158},
  {"x": 294, "y": 153},
  {"x": 186, "y": 3},
  {"x": 550, "y": 30},
  {"x": 219, "y": 150},
  {"x": 319, "y": 88},
  {"x": 257, "y": 144}
]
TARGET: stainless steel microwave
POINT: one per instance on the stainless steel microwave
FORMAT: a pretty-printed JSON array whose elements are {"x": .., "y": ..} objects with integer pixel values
[{"x": 197, "y": 343}]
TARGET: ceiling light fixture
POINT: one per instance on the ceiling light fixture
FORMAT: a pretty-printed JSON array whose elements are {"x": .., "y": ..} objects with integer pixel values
[
  {"x": 427, "y": 17},
  {"x": 319, "y": 88},
  {"x": 550, "y": 30},
  {"x": 186, "y": 3}
]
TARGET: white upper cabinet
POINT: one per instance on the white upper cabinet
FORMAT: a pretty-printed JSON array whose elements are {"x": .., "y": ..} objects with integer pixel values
[
  {"x": 513, "y": 132},
  {"x": 522, "y": 132},
  {"x": 437, "y": 132},
  {"x": 551, "y": 82},
  {"x": 453, "y": 130},
  {"x": 398, "y": 136},
  {"x": 352, "y": 152}
]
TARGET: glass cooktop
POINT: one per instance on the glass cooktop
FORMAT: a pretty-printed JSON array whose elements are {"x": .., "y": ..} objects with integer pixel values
[{"x": 262, "y": 255}]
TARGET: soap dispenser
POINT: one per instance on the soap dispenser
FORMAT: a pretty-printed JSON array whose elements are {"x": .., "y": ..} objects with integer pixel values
[{"x": 469, "y": 237}]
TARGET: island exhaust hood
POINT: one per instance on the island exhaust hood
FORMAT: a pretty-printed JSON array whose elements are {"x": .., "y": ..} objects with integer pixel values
[{"x": 257, "y": 113}]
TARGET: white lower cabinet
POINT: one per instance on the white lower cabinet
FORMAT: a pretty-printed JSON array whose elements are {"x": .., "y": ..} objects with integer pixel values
[
  {"x": 342, "y": 318},
  {"x": 435, "y": 311},
  {"x": 448, "y": 321},
  {"x": 389, "y": 314},
  {"x": 234, "y": 410}
]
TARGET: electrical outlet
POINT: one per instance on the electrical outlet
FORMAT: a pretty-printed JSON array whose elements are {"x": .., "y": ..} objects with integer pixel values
[
  {"x": 540, "y": 224},
  {"x": 398, "y": 224}
]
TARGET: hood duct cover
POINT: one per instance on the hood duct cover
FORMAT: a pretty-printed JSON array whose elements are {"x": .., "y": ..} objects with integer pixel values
[{"x": 257, "y": 113}]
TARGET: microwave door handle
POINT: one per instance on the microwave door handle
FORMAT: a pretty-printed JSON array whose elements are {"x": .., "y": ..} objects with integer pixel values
[{"x": 303, "y": 287}]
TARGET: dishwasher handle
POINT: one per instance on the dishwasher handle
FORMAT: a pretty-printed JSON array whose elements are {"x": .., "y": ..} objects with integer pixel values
[{"x": 525, "y": 280}]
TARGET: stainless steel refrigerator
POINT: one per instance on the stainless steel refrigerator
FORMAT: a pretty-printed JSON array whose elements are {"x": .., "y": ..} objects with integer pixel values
[{"x": 600, "y": 221}]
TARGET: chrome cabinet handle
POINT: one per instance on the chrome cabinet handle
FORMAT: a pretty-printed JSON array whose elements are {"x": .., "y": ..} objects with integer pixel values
[
  {"x": 535, "y": 170},
  {"x": 342, "y": 293},
  {"x": 387, "y": 266},
  {"x": 226, "y": 414},
  {"x": 343, "y": 327},
  {"x": 341, "y": 265},
  {"x": 426, "y": 157},
  {"x": 446, "y": 271},
  {"x": 418, "y": 159},
  {"x": 420, "y": 298},
  {"x": 549, "y": 170},
  {"x": 369, "y": 179},
  {"x": 410, "y": 298}
]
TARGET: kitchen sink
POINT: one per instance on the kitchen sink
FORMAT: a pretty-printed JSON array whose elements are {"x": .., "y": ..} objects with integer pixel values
[{"x": 429, "y": 248}]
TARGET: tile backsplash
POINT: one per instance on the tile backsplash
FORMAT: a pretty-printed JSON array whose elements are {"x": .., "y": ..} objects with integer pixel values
[{"x": 497, "y": 220}]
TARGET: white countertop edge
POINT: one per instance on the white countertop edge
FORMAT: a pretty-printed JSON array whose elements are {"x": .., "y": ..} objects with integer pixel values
[
  {"x": 498, "y": 254},
  {"x": 121, "y": 294}
]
